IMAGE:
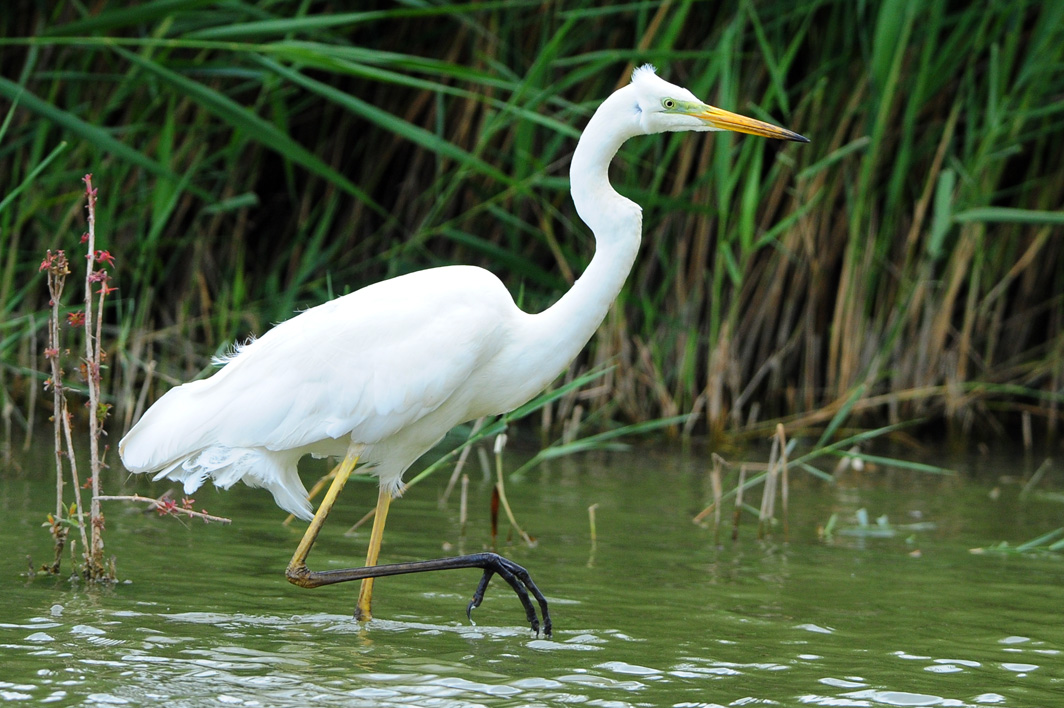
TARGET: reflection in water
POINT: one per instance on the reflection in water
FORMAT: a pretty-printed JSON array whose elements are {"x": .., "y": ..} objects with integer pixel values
[{"x": 663, "y": 617}]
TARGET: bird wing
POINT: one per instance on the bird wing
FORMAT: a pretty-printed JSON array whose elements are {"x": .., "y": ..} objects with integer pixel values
[{"x": 365, "y": 365}]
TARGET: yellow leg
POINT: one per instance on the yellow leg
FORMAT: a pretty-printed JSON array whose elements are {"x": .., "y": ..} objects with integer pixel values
[
  {"x": 365, "y": 593},
  {"x": 492, "y": 564},
  {"x": 297, "y": 571}
]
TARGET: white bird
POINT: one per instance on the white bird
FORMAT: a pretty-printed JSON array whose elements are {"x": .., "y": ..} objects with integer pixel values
[{"x": 380, "y": 375}]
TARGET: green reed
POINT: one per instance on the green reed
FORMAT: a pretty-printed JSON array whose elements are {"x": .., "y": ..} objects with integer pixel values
[{"x": 265, "y": 158}]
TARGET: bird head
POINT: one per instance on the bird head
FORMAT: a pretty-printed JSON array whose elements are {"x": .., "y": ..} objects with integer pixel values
[{"x": 663, "y": 107}]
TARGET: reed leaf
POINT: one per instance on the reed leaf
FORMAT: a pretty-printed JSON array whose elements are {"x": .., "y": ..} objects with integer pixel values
[{"x": 263, "y": 157}]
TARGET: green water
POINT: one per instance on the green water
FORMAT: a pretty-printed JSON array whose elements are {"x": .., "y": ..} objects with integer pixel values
[{"x": 655, "y": 615}]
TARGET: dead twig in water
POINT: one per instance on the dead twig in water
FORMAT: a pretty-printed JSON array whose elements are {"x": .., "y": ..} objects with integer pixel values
[
  {"x": 738, "y": 503},
  {"x": 166, "y": 506},
  {"x": 458, "y": 466},
  {"x": 768, "y": 493},
  {"x": 718, "y": 494},
  {"x": 463, "y": 506},
  {"x": 784, "y": 481},
  {"x": 500, "y": 444}
]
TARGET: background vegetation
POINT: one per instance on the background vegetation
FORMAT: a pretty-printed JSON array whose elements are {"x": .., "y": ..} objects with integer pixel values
[{"x": 257, "y": 157}]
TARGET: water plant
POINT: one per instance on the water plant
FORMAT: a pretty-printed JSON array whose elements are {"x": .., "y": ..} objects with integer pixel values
[
  {"x": 783, "y": 456},
  {"x": 56, "y": 266},
  {"x": 1049, "y": 541}
]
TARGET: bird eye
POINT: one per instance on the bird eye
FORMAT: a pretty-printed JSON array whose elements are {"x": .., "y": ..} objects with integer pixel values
[{"x": 668, "y": 104}]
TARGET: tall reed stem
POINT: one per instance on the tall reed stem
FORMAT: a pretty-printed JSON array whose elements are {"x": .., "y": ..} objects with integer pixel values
[
  {"x": 58, "y": 270},
  {"x": 92, "y": 375},
  {"x": 93, "y": 370}
]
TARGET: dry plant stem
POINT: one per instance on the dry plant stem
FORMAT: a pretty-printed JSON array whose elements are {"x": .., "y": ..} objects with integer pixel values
[
  {"x": 168, "y": 508},
  {"x": 463, "y": 506},
  {"x": 92, "y": 367},
  {"x": 500, "y": 444},
  {"x": 718, "y": 463},
  {"x": 58, "y": 270},
  {"x": 366, "y": 517},
  {"x": 142, "y": 397},
  {"x": 55, "y": 286},
  {"x": 56, "y": 281},
  {"x": 460, "y": 465},
  {"x": 768, "y": 494},
  {"x": 371, "y": 514},
  {"x": 718, "y": 493},
  {"x": 774, "y": 483},
  {"x": 738, "y": 503},
  {"x": 700, "y": 516},
  {"x": 1035, "y": 478},
  {"x": 572, "y": 428},
  {"x": 74, "y": 476},
  {"x": 785, "y": 492},
  {"x": 594, "y": 535},
  {"x": 591, "y": 521}
]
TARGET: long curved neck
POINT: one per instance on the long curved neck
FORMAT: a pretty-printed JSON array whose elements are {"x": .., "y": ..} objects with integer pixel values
[{"x": 562, "y": 330}]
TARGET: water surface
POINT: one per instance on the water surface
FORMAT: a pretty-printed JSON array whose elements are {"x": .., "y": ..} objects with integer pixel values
[{"x": 656, "y": 614}]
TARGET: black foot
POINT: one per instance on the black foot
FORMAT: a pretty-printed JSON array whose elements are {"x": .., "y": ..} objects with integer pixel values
[
  {"x": 491, "y": 563},
  {"x": 518, "y": 579}
]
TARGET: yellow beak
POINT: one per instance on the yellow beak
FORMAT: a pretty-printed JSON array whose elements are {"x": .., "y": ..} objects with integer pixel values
[{"x": 725, "y": 120}]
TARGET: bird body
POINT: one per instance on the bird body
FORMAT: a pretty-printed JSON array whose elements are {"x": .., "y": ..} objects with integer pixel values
[
  {"x": 380, "y": 375},
  {"x": 393, "y": 366}
]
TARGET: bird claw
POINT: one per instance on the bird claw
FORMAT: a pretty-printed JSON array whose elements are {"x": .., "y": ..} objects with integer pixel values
[
  {"x": 521, "y": 583},
  {"x": 478, "y": 596}
]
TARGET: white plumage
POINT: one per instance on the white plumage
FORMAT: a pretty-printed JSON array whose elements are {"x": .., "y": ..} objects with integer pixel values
[{"x": 369, "y": 366}]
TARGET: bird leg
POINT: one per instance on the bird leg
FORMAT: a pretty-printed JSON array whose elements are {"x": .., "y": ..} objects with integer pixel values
[
  {"x": 365, "y": 592},
  {"x": 491, "y": 563},
  {"x": 297, "y": 571}
]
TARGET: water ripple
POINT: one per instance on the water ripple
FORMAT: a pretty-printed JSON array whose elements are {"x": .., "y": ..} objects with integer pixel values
[{"x": 801, "y": 624}]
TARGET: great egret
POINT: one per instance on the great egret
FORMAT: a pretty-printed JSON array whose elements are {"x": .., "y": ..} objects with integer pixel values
[{"x": 380, "y": 375}]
